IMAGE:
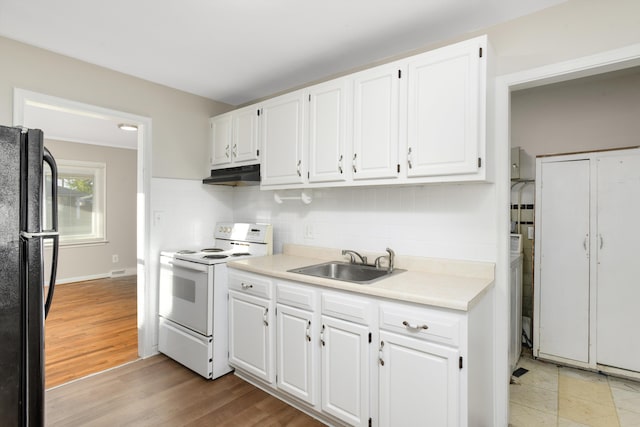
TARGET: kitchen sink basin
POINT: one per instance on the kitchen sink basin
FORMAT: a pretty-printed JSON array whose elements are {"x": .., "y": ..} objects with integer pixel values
[{"x": 355, "y": 273}]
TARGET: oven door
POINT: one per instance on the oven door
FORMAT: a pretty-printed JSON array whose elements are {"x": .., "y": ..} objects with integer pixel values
[{"x": 186, "y": 294}]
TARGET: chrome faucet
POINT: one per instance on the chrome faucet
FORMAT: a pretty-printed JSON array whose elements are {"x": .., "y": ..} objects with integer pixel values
[
  {"x": 390, "y": 260},
  {"x": 353, "y": 255}
]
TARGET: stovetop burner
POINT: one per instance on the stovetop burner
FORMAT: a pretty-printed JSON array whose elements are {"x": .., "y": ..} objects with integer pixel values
[
  {"x": 241, "y": 254},
  {"x": 211, "y": 250},
  {"x": 186, "y": 251},
  {"x": 214, "y": 256}
]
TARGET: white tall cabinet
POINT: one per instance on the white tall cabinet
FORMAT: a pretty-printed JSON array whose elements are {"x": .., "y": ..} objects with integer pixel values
[{"x": 586, "y": 278}]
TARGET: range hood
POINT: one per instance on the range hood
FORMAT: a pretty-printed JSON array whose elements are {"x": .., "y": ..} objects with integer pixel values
[{"x": 237, "y": 176}]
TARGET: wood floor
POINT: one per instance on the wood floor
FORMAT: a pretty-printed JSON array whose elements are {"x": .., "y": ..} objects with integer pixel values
[
  {"x": 92, "y": 326},
  {"x": 160, "y": 392}
]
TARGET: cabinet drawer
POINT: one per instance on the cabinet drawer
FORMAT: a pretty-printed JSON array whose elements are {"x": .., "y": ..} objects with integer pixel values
[
  {"x": 348, "y": 308},
  {"x": 250, "y": 284},
  {"x": 411, "y": 321},
  {"x": 296, "y": 295}
]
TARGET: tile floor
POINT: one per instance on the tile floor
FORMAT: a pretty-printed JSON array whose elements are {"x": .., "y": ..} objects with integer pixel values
[{"x": 550, "y": 395}]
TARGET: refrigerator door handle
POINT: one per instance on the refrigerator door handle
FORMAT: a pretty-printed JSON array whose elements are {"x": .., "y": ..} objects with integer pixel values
[
  {"x": 53, "y": 233},
  {"x": 44, "y": 234}
]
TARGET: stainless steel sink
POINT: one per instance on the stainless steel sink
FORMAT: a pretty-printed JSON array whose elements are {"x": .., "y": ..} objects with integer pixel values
[{"x": 355, "y": 273}]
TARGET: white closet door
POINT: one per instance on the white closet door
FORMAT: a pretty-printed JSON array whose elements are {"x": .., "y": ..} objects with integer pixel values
[
  {"x": 564, "y": 265},
  {"x": 618, "y": 313}
]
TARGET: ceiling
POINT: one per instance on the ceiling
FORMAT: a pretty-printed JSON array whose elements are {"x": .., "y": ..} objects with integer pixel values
[{"x": 235, "y": 51}]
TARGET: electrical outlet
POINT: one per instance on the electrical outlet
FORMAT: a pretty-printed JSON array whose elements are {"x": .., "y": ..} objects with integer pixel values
[
  {"x": 114, "y": 258},
  {"x": 530, "y": 234},
  {"x": 308, "y": 231}
]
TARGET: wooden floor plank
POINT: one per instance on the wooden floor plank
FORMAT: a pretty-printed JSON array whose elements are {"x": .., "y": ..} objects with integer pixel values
[
  {"x": 91, "y": 327},
  {"x": 160, "y": 392}
]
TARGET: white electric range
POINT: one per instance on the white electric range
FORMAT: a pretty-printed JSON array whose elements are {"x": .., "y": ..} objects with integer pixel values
[{"x": 193, "y": 296}]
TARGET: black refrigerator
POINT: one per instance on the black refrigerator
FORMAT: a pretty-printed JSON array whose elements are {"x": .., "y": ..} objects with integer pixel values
[{"x": 28, "y": 218}]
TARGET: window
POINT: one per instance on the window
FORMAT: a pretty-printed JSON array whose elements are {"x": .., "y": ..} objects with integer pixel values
[{"x": 81, "y": 201}]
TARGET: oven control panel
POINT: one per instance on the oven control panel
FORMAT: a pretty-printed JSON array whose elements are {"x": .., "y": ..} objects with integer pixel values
[{"x": 256, "y": 233}]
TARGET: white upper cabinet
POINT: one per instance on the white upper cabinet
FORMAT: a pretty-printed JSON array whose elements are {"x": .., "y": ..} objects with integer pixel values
[
  {"x": 283, "y": 140},
  {"x": 234, "y": 138},
  {"x": 221, "y": 139},
  {"x": 445, "y": 111},
  {"x": 328, "y": 109},
  {"x": 376, "y": 104}
]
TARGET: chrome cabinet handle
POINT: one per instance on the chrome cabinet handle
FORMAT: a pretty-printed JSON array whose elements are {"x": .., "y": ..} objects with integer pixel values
[
  {"x": 234, "y": 153},
  {"x": 264, "y": 317},
  {"x": 340, "y": 163},
  {"x": 246, "y": 286},
  {"x": 409, "y": 158},
  {"x": 308, "y": 332},
  {"x": 410, "y": 326},
  {"x": 380, "y": 354},
  {"x": 226, "y": 151},
  {"x": 322, "y": 336},
  {"x": 298, "y": 167},
  {"x": 353, "y": 163},
  {"x": 601, "y": 241}
]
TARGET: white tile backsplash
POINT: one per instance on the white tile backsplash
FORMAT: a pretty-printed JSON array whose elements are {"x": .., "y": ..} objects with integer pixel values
[{"x": 440, "y": 221}]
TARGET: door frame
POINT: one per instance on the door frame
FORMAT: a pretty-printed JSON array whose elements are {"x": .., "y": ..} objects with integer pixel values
[
  {"x": 612, "y": 60},
  {"x": 21, "y": 99}
]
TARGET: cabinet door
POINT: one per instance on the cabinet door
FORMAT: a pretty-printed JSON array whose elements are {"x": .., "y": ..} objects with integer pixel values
[
  {"x": 419, "y": 382},
  {"x": 250, "y": 335},
  {"x": 327, "y": 131},
  {"x": 445, "y": 89},
  {"x": 221, "y": 136},
  {"x": 563, "y": 222},
  {"x": 296, "y": 353},
  {"x": 618, "y": 286},
  {"x": 283, "y": 140},
  {"x": 245, "y": 134},
  {"x": 375, "y": 122},
  {"x": 345, "y": 370}
]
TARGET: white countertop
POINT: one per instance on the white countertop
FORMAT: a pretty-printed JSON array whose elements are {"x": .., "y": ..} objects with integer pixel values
[{"x": 449, "y": 284}]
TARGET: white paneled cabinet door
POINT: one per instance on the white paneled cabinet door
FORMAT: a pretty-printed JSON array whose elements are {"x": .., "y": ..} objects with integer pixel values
[
  {"x": 445, "y": 115},
  {"x": 221, "y": 139},
  {"x": 283, "y": 140},
  {"x": 244, "y": 147},
  {"x": 296, "y": 353},
  {"x": 345, "y": 370},
  {"x": 419, "y": 382},
  {"x": 327, "y": 131},
  {"x": 375, "y": 122},
  {"x": 250, "y": 337},
  {"x": 563, "y": 208},
  {"x": 618, "y": 283}
]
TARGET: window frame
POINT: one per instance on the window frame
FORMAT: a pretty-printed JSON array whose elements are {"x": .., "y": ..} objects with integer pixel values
[{"x": 98, "y": 233}]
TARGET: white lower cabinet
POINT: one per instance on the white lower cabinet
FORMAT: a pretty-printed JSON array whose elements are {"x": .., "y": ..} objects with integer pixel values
[
  {"x": 419, "y": 380},
  {"x": 345, "y": 370},
  {"x": 251, "y": 326},
  {"x": 358, "y": 360}
]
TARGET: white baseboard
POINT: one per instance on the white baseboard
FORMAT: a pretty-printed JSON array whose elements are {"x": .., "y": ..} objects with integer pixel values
[{"x": 131, "y": 271}]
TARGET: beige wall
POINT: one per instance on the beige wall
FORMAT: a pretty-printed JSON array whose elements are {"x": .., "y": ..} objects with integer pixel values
[
  {"x": 179, "y": 120},
  {"x": 86, "y": 261}
]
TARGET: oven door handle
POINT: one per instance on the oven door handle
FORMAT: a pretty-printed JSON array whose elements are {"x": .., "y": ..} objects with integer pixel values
[{"x": 184, "y": 264}]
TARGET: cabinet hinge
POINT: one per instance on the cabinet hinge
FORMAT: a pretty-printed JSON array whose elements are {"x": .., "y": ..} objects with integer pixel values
[
  {"x": 369, "y": 336},
  {"x": 398, "y": 168},
  {"x": 258, "y": 112},
  {"x": 399, "y": 74},
  {"x": 479, "y": 162},
  {"x": 480, "y": 52},
  {"x": 258, "y": 153},
  {"x": 309, "y": 97},
  {"x": 460, "y": 362},
  {"x": 308, "y": 175}
]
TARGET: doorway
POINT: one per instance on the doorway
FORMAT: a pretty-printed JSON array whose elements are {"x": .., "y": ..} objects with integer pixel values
[{"x": 27, "y": 106}]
